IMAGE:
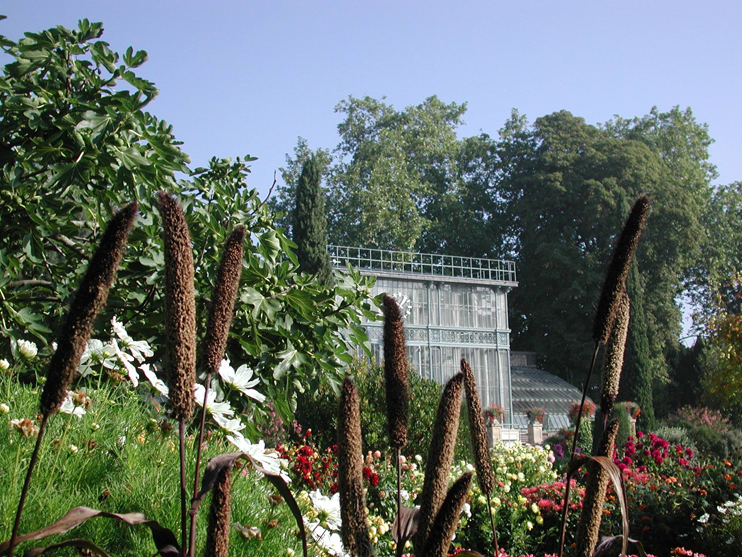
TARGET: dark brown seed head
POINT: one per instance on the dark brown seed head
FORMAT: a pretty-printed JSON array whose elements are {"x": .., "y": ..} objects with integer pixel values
[
  {"x": 440, "y": 457},
  {"x": 482, "y": 461},
  {"x": 447, "y": 519},
  {"x": 395, "y": 373},
  {"x": 614, "y": 356},
  {"x": 595, "y": 490},
  {"x": 180, "y": 309},
  {"x": 90, "y": 298},
  {"x": 223, "y": 299},
  {"x": 615, "y": 281},
  {"x": 217, "y": 536},
  {"x": 354, "y": 530}
]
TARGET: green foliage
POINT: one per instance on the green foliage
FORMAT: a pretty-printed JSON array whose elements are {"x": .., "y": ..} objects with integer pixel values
[
  {"x": 283, "y": 202},
  {"x": 687, "y": 367},
  {"x": 722, "y": 252},
  {"x": 78, "y": 146},
  {"x": 395, "y": 182},
  {"x": 624, "y": 427},
  {"x": 317, "y": 411},
  {"x": 722, "y": 323},
  {"x": 310, "y": 223}
]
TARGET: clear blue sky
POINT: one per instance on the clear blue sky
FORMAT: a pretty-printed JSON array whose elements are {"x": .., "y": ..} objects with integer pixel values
[{"x": 245, "y": 77}]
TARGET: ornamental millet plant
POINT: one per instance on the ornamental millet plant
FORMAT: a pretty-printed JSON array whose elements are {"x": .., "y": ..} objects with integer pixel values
[
  {"x": 90, "y": 299},
  {"x": 180, "y": 326},
  {"x": 397, "y": 391},
  {"x": 217, "y": 330},
  {"x": 482, "y": 458},
  {"x": 612, "y": 299}
]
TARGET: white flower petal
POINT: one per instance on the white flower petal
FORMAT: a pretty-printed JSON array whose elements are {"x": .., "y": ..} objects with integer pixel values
[{"x": 156, "y": 382}]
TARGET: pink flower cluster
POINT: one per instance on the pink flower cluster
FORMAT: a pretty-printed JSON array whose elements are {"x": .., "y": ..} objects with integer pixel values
[{"x": 648, "y": 449}]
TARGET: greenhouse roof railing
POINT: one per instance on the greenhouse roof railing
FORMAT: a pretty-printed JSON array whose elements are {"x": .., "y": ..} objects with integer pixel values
[{"x": 381, "y": 261}]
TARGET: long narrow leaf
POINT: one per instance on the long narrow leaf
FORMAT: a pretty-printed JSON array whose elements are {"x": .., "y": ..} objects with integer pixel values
[
  {"x": 614, "y": 473},
  {"x": 606, "y": 543},
  {"x": 283, "y": 489},
  {"x": 227, "y": 460},
  {"x": 165, "y": 541},
  {"x": 408, "y": 519},
  {"x": 212, "y": 471}
]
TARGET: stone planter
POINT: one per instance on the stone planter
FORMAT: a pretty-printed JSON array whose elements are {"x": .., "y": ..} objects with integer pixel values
[
  {"x": 494, "y": 432},
  {"x": 535, "y": 432}
]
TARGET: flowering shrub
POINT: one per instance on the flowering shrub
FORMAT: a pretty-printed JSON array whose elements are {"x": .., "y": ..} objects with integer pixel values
[
  {"x": 309, "y": 467},
  {"x": 711, "y": 433},
  {"x": 515, "y": 467},
  {"x": 651, "y": 451}
]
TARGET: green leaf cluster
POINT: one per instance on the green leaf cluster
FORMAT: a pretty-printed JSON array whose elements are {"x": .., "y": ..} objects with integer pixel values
[{"x": 77, "y": 145}]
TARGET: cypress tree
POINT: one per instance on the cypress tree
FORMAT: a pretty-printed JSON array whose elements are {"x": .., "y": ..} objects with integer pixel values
[
  {"x": 636, "y": 384},
  {"x": 310, "y": 223}
]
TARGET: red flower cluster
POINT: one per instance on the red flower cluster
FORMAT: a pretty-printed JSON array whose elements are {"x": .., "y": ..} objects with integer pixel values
[
  {"x": 370, "y": 476},
  {"x": 311, "y": 467},
  {"x": 588, "y": 411},
  {"x": 550, "y": 497}
]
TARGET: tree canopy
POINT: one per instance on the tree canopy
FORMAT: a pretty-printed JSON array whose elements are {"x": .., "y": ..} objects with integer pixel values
[{"x": 553, "y": 195}]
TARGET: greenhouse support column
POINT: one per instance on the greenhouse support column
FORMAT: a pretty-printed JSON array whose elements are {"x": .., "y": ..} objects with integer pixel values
[
  {"x": 505, "y": 291},
  {"x": 429, "y": 312}
]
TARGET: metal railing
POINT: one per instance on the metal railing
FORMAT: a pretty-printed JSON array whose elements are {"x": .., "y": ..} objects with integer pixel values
[{"x": 390, "y": 261}]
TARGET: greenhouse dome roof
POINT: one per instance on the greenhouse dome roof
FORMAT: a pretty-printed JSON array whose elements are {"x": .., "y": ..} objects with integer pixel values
[{"x": 536, "y": 387}]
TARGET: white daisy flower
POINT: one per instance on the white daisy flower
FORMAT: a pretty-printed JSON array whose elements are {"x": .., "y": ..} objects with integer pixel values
[
  {"x": 241, "y": 379},
  {"x": 267, "y": 458},
  {"x": 27, "y": 349},
  {"x": 232, "y": 425},
  {"x": 212, "y": 405},
  {"x": 328, "y": 510},
  {"x": 329, "y": 541},
  {"x": 139, "y": 349},
  {"x": 68, "y": 406},
  {"x": 96, "y": 353},
  {"x": 126, "y": 360}
]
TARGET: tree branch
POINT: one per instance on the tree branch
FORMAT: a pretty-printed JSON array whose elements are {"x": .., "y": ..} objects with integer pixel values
[
  {"x": 270, "y": 191},
  {"x": 31, "y": 282},
  {"x": 71, "y": 244}
]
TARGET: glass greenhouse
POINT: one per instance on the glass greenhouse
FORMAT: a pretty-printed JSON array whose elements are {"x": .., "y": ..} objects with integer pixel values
[{"x": 454, "y": 307}]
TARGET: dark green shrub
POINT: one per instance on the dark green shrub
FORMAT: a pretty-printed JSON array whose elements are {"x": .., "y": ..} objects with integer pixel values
[
  {"x": 316, "y": 411},
  {"x": 710, "y": 432}
]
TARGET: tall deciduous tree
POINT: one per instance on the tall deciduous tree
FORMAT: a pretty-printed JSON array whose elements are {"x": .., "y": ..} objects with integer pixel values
[
  {"x": 401, "y": 179},
  {"x": 568, "y": 188},
  {"x": 310, "y": 223}
]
